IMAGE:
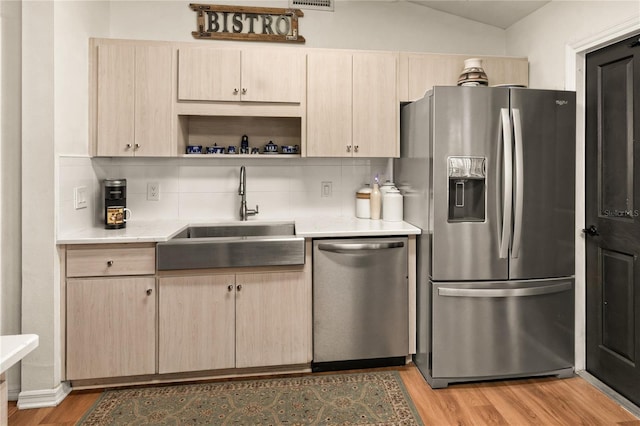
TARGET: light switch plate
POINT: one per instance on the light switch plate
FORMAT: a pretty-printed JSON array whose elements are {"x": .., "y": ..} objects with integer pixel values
[
  {"x": 326, "y": 189},
  {"x": 80, "y": 197}
]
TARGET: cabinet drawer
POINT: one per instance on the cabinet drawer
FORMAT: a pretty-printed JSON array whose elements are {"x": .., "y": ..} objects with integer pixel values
[{"x": 92, "y": 262}]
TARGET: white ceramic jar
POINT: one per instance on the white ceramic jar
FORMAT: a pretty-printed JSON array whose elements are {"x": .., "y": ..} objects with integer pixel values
[
  {"x": 393, "y": 206},
  {"x": 363, "y": 205}
]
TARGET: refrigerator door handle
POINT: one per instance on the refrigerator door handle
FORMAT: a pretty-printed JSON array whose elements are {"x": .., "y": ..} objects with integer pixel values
[
  {"x": 505, "y": 292},
  {"x": 519, "y": 192},
  {"x": 507, "y": 184}
]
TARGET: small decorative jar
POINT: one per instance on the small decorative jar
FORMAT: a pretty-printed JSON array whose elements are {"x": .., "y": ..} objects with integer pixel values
[
  {"x": 473, "y": 74},
  {"x": 363, "y": 205}
]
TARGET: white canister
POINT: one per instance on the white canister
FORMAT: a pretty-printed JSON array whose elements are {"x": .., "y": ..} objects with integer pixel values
[
  {"x": 363, "y": 206},
  {"x": 383, "y": 189},
  {"x": 393, "y": 210}
]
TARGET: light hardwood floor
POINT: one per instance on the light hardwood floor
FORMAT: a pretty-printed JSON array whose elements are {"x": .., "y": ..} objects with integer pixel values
[{"x": 541, "y": 401}]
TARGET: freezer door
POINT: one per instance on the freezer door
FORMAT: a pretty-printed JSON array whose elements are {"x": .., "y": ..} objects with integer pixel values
[
  {"x": 544, "y": 184},
  {"x": 501, "y": 329},
  {"x": 468, "y": 125}
]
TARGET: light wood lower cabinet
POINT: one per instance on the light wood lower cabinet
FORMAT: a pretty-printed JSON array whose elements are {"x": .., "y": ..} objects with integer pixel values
[
  {"x": 111, "y": 327},
  {"x": 239, "y": 320},
  {"x": 196, "y": 323}
]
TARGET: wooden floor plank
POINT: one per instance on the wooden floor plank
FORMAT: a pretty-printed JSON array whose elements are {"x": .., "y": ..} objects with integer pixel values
[{"x": 539, "y": 401}]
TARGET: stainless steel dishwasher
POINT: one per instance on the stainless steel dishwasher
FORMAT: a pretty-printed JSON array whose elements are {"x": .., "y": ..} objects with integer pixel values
[{"x": 360, "y": 302}]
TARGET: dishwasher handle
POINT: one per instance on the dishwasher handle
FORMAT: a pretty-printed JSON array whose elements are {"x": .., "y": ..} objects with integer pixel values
[
  {"x": 337, "y": 247},
  {"x": 505, "y": 292}
]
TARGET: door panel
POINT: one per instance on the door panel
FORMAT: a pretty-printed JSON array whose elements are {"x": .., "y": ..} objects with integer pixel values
[
  {"x": 617, "y": 294},
  {"x": 546, "y": 247},
  {"x": 612, "y": 192},
  {"x": 466, "y": 122}
]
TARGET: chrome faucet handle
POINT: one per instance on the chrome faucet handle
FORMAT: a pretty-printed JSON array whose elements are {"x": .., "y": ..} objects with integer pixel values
[{"x": 251, "y": 212}]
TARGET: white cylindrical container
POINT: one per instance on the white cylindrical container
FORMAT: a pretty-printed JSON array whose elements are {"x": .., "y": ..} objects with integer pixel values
[
  {"x": 393, "y": 208},
  {"x": 363, "y": 205},
  {"x": 376, "y": 202},
  {"x": 383, "y": 189}
]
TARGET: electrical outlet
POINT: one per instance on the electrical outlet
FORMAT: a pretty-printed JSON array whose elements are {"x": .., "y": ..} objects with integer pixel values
[
  {"x": 326, "y": 189},
  {"x": 80, "y": 197},
  {"x": 153, "y": 191}
]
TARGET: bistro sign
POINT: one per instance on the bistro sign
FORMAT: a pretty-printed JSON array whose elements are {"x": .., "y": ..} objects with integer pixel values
[{"x": 247, "y": 23}]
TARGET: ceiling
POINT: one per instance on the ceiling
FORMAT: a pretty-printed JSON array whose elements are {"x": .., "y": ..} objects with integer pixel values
[{"x": 500, "y": 14}]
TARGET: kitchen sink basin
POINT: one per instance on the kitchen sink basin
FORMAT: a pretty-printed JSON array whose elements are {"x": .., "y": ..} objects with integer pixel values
[
  {"x": 222, "y": 246},
  {"x": 244, "y": 230}
]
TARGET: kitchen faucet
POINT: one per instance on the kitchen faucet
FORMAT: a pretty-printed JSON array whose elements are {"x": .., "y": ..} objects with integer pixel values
[{"x": 242, "y": 191}]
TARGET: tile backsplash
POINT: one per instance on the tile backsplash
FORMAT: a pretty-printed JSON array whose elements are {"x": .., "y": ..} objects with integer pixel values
[{"x": 205, "y": 188}]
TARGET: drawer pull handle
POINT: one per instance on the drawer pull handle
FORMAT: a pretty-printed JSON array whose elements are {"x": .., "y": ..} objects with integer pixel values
[
  {"x": 239, "y": 287},
  {"x": 230, "y": 287},
  {"x": 109, "y": 263},
  {"x": 149, "y": 291}
]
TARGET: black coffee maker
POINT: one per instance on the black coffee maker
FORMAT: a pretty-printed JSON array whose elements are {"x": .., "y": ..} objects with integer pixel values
[{"x": 115, "y": 203}]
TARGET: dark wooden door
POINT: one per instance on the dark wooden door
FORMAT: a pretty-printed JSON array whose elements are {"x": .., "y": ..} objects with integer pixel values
[{"x": 613, "y": 216}]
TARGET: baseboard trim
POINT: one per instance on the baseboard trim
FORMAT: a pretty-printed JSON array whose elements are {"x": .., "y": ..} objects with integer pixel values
[
  {"x": 43, "y": 398},
  {"x": 624, "y": 402}
]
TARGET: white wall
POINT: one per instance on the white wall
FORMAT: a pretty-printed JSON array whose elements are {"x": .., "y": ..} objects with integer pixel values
[
  {"x": 544, "y": 35},
  {"x": 372, "y": 25},
  {"x": 10, "y": 221},
  {"x": 54, "y": 76},
  {"x": 549, "y": 38}
]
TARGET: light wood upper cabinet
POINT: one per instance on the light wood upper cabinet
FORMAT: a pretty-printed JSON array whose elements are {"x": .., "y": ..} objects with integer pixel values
[
  {"x": 196, "y": 323},
  {"x": 111, "y": 328},
  {"x": 133, "y": 105},
  {"x": 329, "y": 103},
  {"x": 421, "y": 71},
  {"x": 261, "y": 75},
  {"x": 352, "y": 104},
  {"x": 376, "y": 110},
  {"x": 115, "y": 100}
]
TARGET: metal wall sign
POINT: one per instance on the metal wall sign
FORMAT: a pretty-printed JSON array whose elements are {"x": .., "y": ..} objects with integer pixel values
[{"x": 247, "y": 23}]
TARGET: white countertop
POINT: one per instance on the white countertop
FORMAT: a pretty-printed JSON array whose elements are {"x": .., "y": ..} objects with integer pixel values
[
  {"x": 15, "y": 347},
  {"x": 135, "y": 232},
  {"x": 308, "y": 227},
  {"x": 343, "y": 226}
]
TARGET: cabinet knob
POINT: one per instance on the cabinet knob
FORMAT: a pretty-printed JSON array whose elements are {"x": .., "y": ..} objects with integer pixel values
[
  {"x": 109, "y": 263},
  {"x": 129, "y": 146},
  {"x": 244, "y": 91},
  {"x": 355, "y": 148},
  {"x": 230, "y": 287},
  {"x": 149, "y": 291},
  {"x": 348, "y": 148},
  {"x": 137, "y": 146},
  {"x": 239, "y": 287},
  {"x": 235, "y": 91}
]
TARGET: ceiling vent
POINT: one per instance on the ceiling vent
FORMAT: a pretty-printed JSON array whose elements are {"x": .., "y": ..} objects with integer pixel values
[{"x": 326, "y": 5}]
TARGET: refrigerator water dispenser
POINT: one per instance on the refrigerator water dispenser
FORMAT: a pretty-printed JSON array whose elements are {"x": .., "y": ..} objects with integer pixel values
[{"x": 467, "y": 181}]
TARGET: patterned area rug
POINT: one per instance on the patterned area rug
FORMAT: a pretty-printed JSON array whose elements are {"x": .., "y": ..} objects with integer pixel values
[{"x": 377, "y": 398}]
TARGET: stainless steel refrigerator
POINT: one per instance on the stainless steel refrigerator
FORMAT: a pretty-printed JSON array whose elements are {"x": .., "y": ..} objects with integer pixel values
[{"x": 488, "y": 174}]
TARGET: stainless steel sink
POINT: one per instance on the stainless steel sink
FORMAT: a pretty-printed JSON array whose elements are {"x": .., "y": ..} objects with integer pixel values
[
  {"x": 220, "y": 246},
  {"x": 243, "y": 230}
]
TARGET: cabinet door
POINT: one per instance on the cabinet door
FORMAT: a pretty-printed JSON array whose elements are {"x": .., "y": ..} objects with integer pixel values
[
  {"x": 512, "y": 71},
  {"x": 273, "y": 319},
  {"x": 208, "y": 74},
  {"x": 272, "y": 76},
  {"x": 111, "y": 327},
  {"x": 196, "y": 323},
  {"x": 115, "y": 103},
  {"x": 329, "y": 104},
  {"x": 376, "y": 110},
  {"x": 153, "y": 118}
]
